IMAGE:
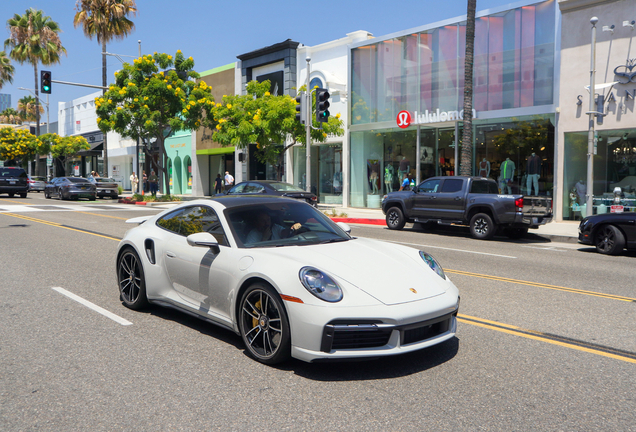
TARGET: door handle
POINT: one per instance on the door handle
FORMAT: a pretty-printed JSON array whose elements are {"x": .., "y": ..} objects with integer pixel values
[
  {"x": 171, "y": 255},
  {"x": 458, "y": 198},
  {"x": 432, "y": 197}
]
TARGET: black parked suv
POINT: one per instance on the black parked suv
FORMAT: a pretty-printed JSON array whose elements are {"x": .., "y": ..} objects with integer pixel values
[{"x": 13, "y": 180}]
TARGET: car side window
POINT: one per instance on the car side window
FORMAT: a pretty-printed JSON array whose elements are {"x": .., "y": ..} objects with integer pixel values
[
  {"x": 484, "y": 187},
  {"x": 255, "y": 188},
  {"x": 239, "y": 188},
  {"x": 429, "y": 186},
  {"x": 452, "y": 185},
  {"x": 192, "y": 220}
]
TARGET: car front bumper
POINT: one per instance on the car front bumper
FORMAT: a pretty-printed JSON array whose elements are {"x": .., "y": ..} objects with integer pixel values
[{"x": 358, "y": 332}]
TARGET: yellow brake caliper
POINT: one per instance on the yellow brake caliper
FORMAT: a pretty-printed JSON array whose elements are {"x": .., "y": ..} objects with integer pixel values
[{"x": 256, "y": 312}]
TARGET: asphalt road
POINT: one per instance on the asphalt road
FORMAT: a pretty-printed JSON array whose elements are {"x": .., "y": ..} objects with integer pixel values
[{"x": 545, "y": 341}]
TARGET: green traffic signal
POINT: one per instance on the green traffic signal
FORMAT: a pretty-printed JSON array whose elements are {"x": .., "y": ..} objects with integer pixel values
[
  {"x": 322, "y": 105},
  {"x": 45, "y": 81}
]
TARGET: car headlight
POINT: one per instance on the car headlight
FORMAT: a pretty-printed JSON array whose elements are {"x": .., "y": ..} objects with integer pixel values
[
  {"x": 320, "y": 285},
  {"x": 433, "y": 264}
]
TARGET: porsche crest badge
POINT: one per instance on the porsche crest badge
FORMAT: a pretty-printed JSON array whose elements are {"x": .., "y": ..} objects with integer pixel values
[{"x": 413, "y": 290}]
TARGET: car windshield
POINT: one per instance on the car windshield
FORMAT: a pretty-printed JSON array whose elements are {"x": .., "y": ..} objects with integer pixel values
[
  {"x": 12, "y": 172},
  {"x": 77, "y": 180},
  {"x": 275, "y": 225},
  {"x": 285, "y": 187}
]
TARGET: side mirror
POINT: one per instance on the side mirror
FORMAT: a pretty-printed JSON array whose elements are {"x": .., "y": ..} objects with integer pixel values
[
  {"x": 346, "y": 228},
  {"x": 203, "y": 239}
]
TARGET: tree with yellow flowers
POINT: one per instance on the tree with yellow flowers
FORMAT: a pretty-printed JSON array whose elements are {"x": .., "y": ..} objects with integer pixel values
[
  {"x": 153, "y": 97},
  {"x": 20, "y": 145},
  {"x": 267, "y": 121},
  {"x": 64, "y": 147}
]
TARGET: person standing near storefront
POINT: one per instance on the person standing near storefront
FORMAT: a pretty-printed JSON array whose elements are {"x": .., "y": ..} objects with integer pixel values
[
  {"x": 218, "y": 184},
  {"x": 229, "y": 180},
  {"x": 153, "y": 180},
  {"x": 144, "y": 179},
  {"x": 134, "y": 181}
]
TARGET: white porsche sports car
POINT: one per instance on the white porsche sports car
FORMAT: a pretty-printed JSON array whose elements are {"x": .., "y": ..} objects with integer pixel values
[{"x": 287, "y": 279}]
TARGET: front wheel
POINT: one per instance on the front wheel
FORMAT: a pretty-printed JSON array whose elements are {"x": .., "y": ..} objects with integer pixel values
[
  {"x": 264, "y": 325},
  {"x": 482, "y": 227},
  {"x": 610, "y": 240},
  {"x": 131, "y": 280},
  {"x": 395, "y": 218}
]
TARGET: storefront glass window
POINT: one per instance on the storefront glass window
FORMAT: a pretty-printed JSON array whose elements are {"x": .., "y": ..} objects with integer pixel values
[{"x": 614, "y": 167}]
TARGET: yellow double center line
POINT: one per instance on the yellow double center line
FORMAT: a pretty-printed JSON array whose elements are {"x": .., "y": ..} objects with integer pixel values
[{"x": 57, "y": 225}]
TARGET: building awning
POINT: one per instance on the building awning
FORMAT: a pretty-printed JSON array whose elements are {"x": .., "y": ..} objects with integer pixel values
[{"x": 216, "y": 151}]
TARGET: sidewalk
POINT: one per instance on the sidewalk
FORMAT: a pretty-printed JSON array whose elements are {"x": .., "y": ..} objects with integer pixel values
[{"x": 567, "y": 231}]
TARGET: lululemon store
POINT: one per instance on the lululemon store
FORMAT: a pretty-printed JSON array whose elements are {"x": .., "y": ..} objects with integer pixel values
[{"x": 407, "y": 98}]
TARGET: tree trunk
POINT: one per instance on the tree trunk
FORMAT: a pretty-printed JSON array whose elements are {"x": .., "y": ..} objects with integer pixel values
[
  {"x": 466, "y": 167},
  {"x": 104, "y": 83},
  {"x": 37, "y": 117}
]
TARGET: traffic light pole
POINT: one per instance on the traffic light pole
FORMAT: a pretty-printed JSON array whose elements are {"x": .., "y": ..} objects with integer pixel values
[{"x": 308, "y": 122}]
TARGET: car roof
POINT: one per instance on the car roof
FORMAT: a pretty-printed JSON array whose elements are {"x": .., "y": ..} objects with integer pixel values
[
  {"x": 263, "y": 181},
  {"x": 231, "y": 201}
]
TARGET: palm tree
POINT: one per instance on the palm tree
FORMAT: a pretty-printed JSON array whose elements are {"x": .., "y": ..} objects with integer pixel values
[
  {"x": 28, "y": 108},
  {"x": 466, "y": 167},
  {"x": 6, "y": 69},
  {"x": 34, "y": 39},
  {"x": 10, "y": 116},
  {"x": 106, "y": 20}
]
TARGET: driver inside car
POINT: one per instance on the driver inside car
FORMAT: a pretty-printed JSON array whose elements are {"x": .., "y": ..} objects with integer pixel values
[{"x": 265, "y": 230}]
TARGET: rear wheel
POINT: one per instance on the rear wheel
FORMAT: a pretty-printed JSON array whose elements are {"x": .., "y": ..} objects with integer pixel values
[
  {"x": 131, "y": 280},
  {"x": 23, "y": 195},
  {"x": 395, "y": 218},
  {"x": 482, "y": 227},
  {"x": 46, "y": 195},
  {"x": 264, "y": 325},
  {"x": 609, "y": 240},
  {"x": 11, "y": 194}
]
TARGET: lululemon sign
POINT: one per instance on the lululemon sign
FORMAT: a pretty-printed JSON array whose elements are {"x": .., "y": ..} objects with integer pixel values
[{"x": 404, "y": 119}]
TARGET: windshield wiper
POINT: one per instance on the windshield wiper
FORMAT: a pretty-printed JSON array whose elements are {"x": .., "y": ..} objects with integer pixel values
[{"x": 334, "y": 240}]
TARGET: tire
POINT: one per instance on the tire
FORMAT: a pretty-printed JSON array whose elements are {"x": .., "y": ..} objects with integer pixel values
[
  {"x": 92, "y": 198},
  {"x": 516, "y": 233},
  {"x": 609, "y": 240},
  {"x": 23, "y": 195},
  {"x": 482, "y": 227},
  {"x": 131, "y": 280},
  {"x": 11, "y": 194},
  {"x": 264, "y": 325},
  {"x": 59, "y": 195},
  {"x": 46, "y": 195},
  {"x": 395, "y": 218}
]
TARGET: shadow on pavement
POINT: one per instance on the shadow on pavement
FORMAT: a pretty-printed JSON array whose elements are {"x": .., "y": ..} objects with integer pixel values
[{"x": 464, "y": 232}]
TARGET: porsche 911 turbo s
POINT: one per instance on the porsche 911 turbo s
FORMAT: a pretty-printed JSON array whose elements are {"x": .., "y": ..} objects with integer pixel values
[{"x": 287, "y": 279}]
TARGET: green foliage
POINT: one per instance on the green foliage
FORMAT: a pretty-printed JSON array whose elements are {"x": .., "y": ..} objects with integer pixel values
[
  {"x": 6, "y": 69},
  {"x": 64, "y": 146},
  {"x": 524, "y": 136},
  {"x": 34, "y": 38},
  {"x": 265, "y": 120},
  {"x": 20, "y": 144},
  {"x": 143, "y": 101}
]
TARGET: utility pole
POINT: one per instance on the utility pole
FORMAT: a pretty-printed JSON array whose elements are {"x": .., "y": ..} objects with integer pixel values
[
  {"x": 589, "y": 210},
  {"x": 308, "y": 129}
]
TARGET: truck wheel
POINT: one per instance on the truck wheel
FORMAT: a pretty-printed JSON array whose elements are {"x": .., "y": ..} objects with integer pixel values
[
  {"x": 395, "y": 218},
  {"x": 482, "y": 227},
  {"x": 610, "y": 240}
]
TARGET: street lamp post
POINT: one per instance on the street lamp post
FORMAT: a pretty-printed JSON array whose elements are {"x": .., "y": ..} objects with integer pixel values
[{"x": 590, "y": 138}]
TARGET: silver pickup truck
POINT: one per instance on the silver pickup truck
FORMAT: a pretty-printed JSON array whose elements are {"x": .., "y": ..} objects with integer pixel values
[{"x": 472, "y": 201}]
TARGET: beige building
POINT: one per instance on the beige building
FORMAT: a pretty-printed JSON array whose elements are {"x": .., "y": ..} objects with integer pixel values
[{"x": 615, "y": 91}]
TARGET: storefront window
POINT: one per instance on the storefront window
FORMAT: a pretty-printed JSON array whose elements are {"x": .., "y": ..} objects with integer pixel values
[
  {"x": 614, "y": 167},
  {"x": 326, "y": 171}
]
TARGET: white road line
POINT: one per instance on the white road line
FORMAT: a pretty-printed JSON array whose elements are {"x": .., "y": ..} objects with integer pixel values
[
  {"x": 450, "y": 249},
  {"x": 93, "y": 306}
]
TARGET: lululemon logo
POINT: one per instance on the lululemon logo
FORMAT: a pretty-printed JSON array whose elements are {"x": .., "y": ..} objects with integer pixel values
[{"x": 404, "y": 119}]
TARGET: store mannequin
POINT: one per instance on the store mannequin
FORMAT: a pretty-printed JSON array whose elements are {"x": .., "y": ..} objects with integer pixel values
[
  {"x": 581, "y": 190},
  {"x": 533, "y": 171},
  {"x": 373, "y": 178},
  {"x": 484, "y": 168},
  {"x": 405, "y": 167},
  {"x": 388, "y": 178},
  {"x": 507, "y": 175}
]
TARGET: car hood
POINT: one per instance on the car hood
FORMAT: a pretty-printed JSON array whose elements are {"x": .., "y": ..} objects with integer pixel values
[{"x": 390, "y": 273}]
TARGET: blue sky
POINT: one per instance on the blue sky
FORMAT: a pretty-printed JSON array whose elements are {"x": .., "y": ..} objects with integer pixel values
[{"x": 214, "y": 32}]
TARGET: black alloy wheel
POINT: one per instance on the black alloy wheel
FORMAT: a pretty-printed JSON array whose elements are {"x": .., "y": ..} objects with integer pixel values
[
  {"x": 482, "y": 227},
  {"x": 395, "y": 218},
  {"x": 609, "y": 240},
  {"x": 131, "y": 280},
  {"x": 263, "y": 325},
  {"x": 46, "y": 194},
  {"x": 59, "y": 194}
]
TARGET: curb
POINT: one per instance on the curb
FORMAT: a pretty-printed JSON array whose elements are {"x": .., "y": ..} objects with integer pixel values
[{"x": 360, "y": 221}]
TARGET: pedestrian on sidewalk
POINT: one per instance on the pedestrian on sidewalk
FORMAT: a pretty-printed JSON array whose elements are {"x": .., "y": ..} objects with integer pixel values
[
  {"x": 144, "y": 179},
  {"x": 218, "y": 184},
  {"x": 134, "y": 181},
  {"x": 229, "y": 180},
  {"x": 153, "y": 180}
]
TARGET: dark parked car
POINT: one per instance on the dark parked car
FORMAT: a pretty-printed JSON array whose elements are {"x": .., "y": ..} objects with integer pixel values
[
  {"x": 70, "y": 188},
  {"x": 271, "y": 187},
  {"x": 106, "y": 187},
  {"x": 13, "y": 180},
  {"x": 610, "y": 232},
  {"x": 36, "y": 183}
]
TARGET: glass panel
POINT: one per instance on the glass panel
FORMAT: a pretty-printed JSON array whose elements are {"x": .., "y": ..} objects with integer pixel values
[{"x": 330, "y": 174}]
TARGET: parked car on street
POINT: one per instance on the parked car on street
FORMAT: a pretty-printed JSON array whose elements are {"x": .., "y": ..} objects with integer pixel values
[
  {"x": 106, "y": 187},
  {"x": 610, "y": 233},
  {"x": 13, "y": 180},
  {"x": 472, "y": 201},
  {"x": 287, "y": 279},
  {"x": 70, "y": 188},
  {"x": 274, "y": 188},
  {"x": 36, "y": 183}
]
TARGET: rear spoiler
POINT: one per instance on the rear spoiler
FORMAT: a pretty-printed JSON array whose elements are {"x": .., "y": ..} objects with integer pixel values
[{"x": 138, "y": 220}]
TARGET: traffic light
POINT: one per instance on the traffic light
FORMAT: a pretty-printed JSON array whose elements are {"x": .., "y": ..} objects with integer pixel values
[
  {"x": 322, "y": 105},
  {"x": 301, "y": 115},
  {"x": 45, "y": 82}
]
